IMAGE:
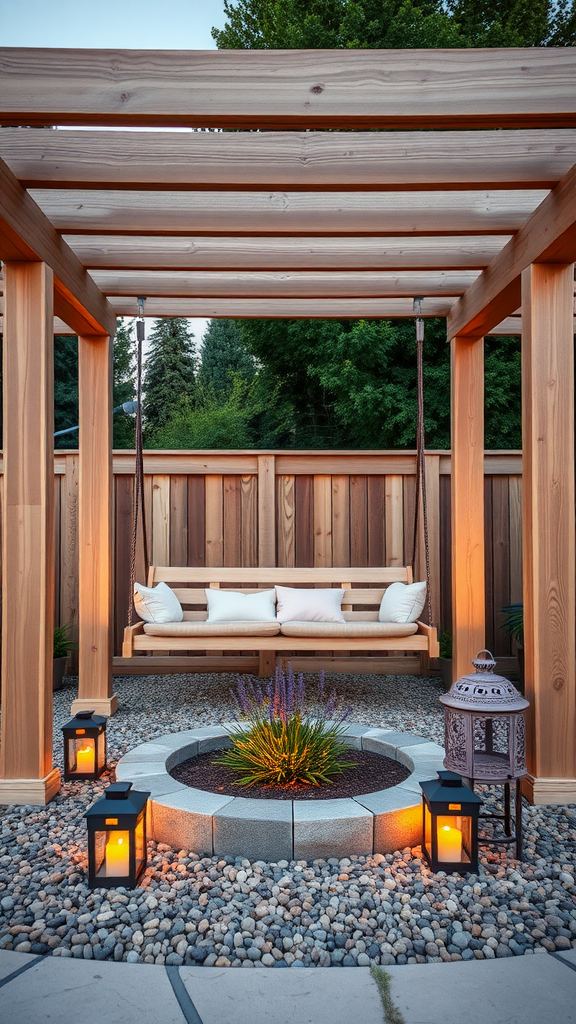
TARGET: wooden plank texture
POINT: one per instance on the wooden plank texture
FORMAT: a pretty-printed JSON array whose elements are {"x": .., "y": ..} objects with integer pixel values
[
  {"x": 294, "y": 89},
  {"x": 28, "y": 533},
  {"x": 285, "y": 499},
  {"x": 548, "y": 519},
  {"x": 266, "y": 510}
]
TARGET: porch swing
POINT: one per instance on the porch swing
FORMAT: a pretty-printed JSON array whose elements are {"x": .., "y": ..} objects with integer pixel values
[{"x": 363, "y": 588}]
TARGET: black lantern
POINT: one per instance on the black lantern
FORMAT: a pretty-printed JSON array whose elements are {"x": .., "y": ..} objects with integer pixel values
[
  {"x": 117, "y": 837},
  {"x": 450, "y": 824},
  {"x": 84, "y": 746}
]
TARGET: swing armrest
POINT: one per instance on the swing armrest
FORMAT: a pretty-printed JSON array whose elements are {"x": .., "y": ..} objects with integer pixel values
[
  {"x": 432, "y": 633},
  {"x": 128, "y": 642}
]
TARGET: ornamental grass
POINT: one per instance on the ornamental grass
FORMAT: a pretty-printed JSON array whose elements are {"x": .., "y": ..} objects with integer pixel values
[{"x": 284, "y": 738}]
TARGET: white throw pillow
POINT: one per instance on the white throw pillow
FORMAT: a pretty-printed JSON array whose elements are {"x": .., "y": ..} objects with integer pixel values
[
  {"x": 232, "y": 606},
  {"x": 309, "y": 605},
  {"x": 402, "y": 602},
  {"x": 157, "y": 604}
]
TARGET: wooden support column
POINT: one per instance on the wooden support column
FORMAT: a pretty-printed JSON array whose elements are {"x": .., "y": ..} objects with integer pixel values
[
  {"x": 95, "y": 526},
  {"x": 549, "y": 530},
  {"x": 467, "y": 396},
  {"x": 26, "y": 772}
]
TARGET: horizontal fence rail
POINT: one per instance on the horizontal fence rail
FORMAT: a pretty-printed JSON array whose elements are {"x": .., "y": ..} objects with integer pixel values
[{"x": 292, "y": 508}]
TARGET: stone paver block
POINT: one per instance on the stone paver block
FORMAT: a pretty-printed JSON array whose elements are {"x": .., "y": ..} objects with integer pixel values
[
  {"x": 156, "y": 785},
  {"x": 256, "y": 829},
  {"x": 398, "y": 829},
  {"x": 354, "y": 733},
  {"x": 211, "y": 737},
  {"x": 331, "y": 828},
  {"x": 403, "y": 739},
  {"x": 376, "y": 740},
  {"x": 386, "y": 801},
  {"x": 131, "y": 770},
  {"x": 184, "y": 819},
  {"x": 10, "y": 962}
]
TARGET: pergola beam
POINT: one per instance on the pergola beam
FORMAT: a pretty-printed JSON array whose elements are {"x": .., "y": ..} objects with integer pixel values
[
  {"x": 145, "y": 252},
  {"x": 295, "y": 161},
  {"x": 549, "y": 235},
  {"x": 27, "y": 234},
  {"x": 276, "y": 308},
  {"x": 283, "y": 285},
  {"x": 331, "y": 214},
  {"x": 504, "y": 88}
]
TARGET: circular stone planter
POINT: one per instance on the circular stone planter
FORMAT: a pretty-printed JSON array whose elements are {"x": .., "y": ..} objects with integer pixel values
[{"x": 273, "y": 830}]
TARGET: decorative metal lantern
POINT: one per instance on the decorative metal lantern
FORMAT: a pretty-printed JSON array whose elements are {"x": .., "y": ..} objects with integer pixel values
[
  {"x": 450, "y": 824},
  {"x": 84, "y": 746},
  {"x": 485, "y": 736},
  {"x": 117, "y": 852}
]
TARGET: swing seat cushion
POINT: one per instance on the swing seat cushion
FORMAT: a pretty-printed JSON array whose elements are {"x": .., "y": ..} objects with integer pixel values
[
  {"x": 212, "y": 628},
  {"x": 402, "y": 602},
  {"x": 157, "y": 604},
  {"x": 349, "y": 629}
]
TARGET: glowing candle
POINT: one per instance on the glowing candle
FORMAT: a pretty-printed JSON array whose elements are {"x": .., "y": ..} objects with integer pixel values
[
  {"x": 85, "y": 760},
  {"x": 449, "y": 844},
  {"x": 117, "y": 854}
]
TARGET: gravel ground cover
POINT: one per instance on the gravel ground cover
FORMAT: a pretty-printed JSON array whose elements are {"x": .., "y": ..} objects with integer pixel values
[{"x": 224, "y": 912}]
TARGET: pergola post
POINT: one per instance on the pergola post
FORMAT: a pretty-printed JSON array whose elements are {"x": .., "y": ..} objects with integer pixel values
[
  {"x": 467, "y": 418},
  {"x": 549, "y": 530},
  {"x": 26, "y": 772},
  {"x": 95, "y": 526}
]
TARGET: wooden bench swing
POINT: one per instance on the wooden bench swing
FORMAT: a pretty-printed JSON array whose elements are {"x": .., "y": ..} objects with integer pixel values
[{"x": 363, "y": 591}]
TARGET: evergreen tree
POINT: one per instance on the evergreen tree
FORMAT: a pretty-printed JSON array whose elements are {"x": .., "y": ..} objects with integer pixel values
[
  {"x": 65, "y": 388},
  {"x": 223, "y": 356},
  {"x": 169, "y": 372},
  {"x": 124, "y": 383}
]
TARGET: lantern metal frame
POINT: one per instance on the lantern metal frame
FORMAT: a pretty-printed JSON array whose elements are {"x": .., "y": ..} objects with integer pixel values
[
  {"x": 121, "y": 809},
  {"x": 484, "y": 711},
  {"x": 85, "y": 727},
  {"x": 448, "y": 797}
]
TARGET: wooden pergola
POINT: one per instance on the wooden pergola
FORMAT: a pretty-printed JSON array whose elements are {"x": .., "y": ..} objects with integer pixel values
[{"x": 468, "y": 199}]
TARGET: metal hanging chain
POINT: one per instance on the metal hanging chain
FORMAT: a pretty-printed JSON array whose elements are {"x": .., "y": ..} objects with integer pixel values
[
  {"x": 420, "y": 460},
  {"x": 138, "y": 507}
]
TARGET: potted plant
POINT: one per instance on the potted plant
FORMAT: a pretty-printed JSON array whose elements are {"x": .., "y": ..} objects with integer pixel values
[
  {"x": 445, "y": 641},
  {"x": 514, "y": 626},
  {"x": 63, "y": 644}
]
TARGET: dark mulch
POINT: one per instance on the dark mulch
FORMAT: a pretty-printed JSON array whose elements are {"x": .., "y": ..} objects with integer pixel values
[{"x": 371, "y": 772}]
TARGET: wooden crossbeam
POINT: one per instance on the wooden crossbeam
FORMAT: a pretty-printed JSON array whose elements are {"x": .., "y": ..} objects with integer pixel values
[
  {"x": 149, "y": 252},
  {"x": 287, "y": 213},
  {"x": 549, "y": 235},
  {"x": 296, "y": 309},
  {"x": 284, "y": 285},
  {"x": 514, "y": 88},
  {"x": 27, "y": 234},
  {"x": 289, "y": 160}
]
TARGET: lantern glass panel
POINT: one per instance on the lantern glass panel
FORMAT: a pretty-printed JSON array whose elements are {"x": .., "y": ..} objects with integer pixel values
[
  {"x": 101, "y": 751},
  {"x": 81, "y": 754},
  {"x": 112, "y": 854},
  {"x": 454, "y": 836},
  {"x": 140, "y": 844}
]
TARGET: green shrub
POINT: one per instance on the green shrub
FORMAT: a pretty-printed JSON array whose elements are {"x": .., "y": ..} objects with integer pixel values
[
  {"x": 280, "y": 741},
  {"x": 63, "y": 642}
]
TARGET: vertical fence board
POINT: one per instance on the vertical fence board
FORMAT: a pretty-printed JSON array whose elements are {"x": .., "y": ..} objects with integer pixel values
[
  {"x": 409, "y": 502},
  {"x": 161, "y": 520},
  {"x": 500, "y": 560},
  {"x": 178, "y": 519},
  {"x": 515, "y": 498},
  {"x": 214, "y": 520},
  {"x": 445, "y": 555},
  {"x": 358, "y": 521},
  {"x": 122, "y": 549},
  {"x": 341, "y": 520},
  {"x": 488, "y": 563},
  {"x": 68, "y": 598},
  {"x": 249, "y": 515},
  {"x": 285, "y": 505},
  {"x": 196, "y": 520},
  {"x": 376, "y": 511},
  {"x": 266, "y": 510},
  {"x": 232, "y": 521},
  {"x": 433, "y": 517},
  {"x": 304, "y": 546},
  {"x": 394, "y": 521},
  {"x": 322, "y": 521}
]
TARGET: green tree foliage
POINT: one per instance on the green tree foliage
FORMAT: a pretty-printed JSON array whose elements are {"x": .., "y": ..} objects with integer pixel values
[
  {"x": 395, "y": 24},
  {"x": 223, "y": 355},
  {"x": 169, "y": 372},
  {"x": 124, "y": 383},
  {"x": 65, "y": 388},
  {"x": 207, "y": 421}
]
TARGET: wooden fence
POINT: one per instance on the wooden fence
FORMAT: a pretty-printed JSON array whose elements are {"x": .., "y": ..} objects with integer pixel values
[{"x": 296, "y": 509}]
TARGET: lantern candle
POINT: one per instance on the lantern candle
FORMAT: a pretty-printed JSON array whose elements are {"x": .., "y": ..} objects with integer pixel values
[
  {"x": 449, "y": 844},
  {"x": 85, "y": 760},
  {"x": 116, "y": 863}
]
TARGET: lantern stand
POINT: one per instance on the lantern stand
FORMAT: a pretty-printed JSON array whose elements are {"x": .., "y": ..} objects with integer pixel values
[{"x": 485, "y": 740}]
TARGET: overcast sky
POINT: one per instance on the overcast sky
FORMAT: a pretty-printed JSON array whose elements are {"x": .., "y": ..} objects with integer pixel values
[{"x": 120, "y": 24}]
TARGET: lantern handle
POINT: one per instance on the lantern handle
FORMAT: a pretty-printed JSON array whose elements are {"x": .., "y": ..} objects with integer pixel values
[{"x": 486, "y": 663}]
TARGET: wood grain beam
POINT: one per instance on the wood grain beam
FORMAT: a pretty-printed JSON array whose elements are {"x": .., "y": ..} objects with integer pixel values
[
  {"x": 26, "y": 771},
  {"x": 142, "y": 252},
  {"x": 549, "y": 542},
  {"x": 287, "y": 213},
  {"x": 27, "y": 234},
  {"x": 307, "y": 161},
  {"x": 514, "y": 88},
  {"x": 284, "y": 285},
  {"x": 549, "y": 235},
  {"x": 294, "y": 309}
]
